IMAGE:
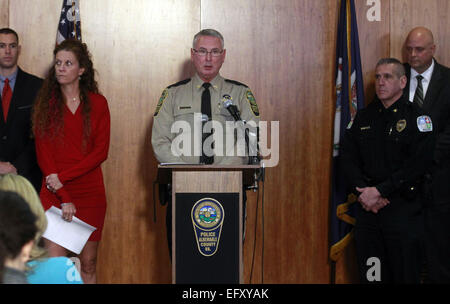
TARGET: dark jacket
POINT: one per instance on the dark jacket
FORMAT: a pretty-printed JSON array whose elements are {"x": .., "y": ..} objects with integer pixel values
[
  {"x": 437, "y": 105},
  {"x": 16, "y": 143}
]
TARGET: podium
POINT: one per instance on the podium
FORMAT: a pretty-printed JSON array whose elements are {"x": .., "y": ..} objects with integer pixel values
[{"x": 207, "y": 221}]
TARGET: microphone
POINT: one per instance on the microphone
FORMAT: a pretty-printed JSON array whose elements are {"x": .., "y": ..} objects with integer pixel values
[
  {"x": 205, "y": 118},
  {"x": 231, "y": 108}
]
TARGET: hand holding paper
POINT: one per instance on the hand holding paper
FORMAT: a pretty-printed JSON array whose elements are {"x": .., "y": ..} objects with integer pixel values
[{"x": 70, "y": 235}]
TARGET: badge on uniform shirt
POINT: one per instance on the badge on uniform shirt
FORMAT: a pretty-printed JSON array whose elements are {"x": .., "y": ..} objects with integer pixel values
[
  {"x": 161, "y": 101},
  {"x": 252, "y": 101},
  {"x": 401, "y": 125},
  {"x": 424, "y": 123},
  {"x": 227, "y": 98}
]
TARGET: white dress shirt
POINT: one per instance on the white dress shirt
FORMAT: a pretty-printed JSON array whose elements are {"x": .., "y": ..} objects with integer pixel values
[{"x": 425, "y": 81}]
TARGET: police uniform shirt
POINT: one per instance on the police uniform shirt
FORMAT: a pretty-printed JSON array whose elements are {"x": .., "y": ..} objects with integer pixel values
[
  {"x": 387, "y": 148},
  {"x": 179, "y": 102}
]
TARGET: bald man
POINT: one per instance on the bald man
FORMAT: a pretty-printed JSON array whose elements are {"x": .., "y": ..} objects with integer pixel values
[{"x": 429, "y": 87}]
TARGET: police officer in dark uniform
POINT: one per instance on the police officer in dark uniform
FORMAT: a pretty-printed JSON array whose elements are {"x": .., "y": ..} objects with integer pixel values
[{"x": 384, "y": 155}]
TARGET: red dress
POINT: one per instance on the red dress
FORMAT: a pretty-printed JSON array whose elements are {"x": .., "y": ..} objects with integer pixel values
[{"x": 78, "y": 169}]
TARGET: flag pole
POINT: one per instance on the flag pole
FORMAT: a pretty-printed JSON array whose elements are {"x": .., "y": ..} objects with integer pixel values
[{"x": 74, "y": 15}]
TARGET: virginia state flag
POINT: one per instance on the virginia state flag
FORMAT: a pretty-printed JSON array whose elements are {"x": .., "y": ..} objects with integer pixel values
[
  {"x": 349, "y": 99},
  {"x": 69, "y": 26}
]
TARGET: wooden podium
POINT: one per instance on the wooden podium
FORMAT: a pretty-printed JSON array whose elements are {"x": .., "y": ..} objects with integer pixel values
[{"x": 207, "y": 221}]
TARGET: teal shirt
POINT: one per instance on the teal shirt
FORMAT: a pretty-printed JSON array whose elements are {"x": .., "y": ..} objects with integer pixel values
[{"x": 57, "y": 270}]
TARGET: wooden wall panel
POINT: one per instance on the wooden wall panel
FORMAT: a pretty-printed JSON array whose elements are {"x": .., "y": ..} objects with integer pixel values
[
  {"x": 139, "y": 48},
  {"x": 36, "y": 26},
  {"x": 433, "y": 14},
  {"x": 4, "y": 13},
  {"x": 284, "y": 51},
  {"x": 374, "y": 42}
]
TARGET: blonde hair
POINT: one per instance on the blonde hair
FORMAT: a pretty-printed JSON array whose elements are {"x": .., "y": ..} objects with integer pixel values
[{"x": 21, "y": 186}]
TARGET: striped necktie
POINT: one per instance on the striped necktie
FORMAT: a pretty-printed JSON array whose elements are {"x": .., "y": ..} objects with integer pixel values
[{"x": 418, "y": 96}]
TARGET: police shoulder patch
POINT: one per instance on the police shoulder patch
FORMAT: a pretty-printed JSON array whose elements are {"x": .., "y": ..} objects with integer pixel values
[
  {"x": 424, "y": 123},
  {"x": 251, "y": 100},
  {"x": 161, "y": 101}
]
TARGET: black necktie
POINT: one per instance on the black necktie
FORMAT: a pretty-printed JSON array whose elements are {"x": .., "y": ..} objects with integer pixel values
[
  {"x": 418, "y": 96},
  {"x": 206, "y": 110}
]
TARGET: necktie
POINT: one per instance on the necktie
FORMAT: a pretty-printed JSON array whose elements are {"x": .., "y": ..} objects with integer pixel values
[
  {"x": 6, "y": 98},
  {"x": 418, "y": 96},
  {"x": 206, "y": 110}
]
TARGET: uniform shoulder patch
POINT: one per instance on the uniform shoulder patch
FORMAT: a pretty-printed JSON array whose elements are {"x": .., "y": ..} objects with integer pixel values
[
  {"x": 424, "y": 123},
  {"x": 251, "y": 100},
  {"x": 179, "y": 83},
  {"x": 236, "y": 82},
  {"x": 161, "y": 101}
]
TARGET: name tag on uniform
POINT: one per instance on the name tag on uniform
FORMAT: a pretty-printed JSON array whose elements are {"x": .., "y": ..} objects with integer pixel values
[
  {"x": 365, "y": 128},
  {"x": 184, "y": 107},
  {"x": 424, "y": 123}
]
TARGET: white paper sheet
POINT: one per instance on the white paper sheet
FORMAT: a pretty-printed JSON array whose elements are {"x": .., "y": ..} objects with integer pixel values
[{"x": 70, "y": 235}]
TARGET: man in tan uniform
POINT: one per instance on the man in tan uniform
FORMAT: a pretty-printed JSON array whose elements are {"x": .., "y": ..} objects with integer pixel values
[
  {"x": 180, "y": 108},
  {"x": 185, "y": 109}
]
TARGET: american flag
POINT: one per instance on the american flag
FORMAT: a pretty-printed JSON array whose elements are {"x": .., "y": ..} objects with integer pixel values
[{"x": 69, "y": 26}]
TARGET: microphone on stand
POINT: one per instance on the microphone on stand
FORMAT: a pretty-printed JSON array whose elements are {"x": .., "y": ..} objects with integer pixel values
[
  {"x": 205, "y": 118},
  {"x": 231, "y": 108},
  {"x": 253, "y": 160}
]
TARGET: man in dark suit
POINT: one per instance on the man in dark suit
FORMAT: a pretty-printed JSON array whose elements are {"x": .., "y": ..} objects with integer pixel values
[
  {"x": 429, "y": 87},
  {"x": 18, "y": 91}
]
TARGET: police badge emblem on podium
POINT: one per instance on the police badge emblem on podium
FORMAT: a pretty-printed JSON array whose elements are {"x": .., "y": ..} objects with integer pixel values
[{"x": 207, "y": 219}]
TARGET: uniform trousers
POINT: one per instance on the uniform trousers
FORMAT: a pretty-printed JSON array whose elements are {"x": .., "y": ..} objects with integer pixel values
[{"x": 395, "y": 236}]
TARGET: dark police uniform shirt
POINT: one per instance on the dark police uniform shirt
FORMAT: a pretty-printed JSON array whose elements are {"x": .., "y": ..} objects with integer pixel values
[{"x": 387, "y": 148}]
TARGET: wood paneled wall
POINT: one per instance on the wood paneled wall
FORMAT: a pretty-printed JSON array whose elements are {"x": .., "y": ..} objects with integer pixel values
[{"x": 284, "y": 50}]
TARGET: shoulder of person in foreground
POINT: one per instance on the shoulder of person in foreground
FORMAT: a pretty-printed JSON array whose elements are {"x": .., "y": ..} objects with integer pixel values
[
  {"x": 13, "y": 276},
  {"x": 55, "y": 270}
]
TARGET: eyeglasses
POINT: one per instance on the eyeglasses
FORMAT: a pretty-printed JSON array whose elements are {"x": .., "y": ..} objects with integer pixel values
[{"x": 204, "y": 52}]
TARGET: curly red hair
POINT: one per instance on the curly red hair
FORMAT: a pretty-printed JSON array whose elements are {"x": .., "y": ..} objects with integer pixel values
[{"x": 47, "y": 118}]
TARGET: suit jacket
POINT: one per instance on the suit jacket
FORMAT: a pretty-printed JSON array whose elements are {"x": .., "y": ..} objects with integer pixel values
[
  {"x": 437, "y": 105},
  {"x": 16, "y": 143}
]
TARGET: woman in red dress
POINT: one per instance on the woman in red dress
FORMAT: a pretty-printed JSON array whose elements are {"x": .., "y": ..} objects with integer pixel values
[{"x": 71, "y": 124}]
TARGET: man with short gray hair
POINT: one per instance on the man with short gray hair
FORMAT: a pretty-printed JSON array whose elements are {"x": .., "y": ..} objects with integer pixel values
[
  {"x": 192, "y": 119},
  {"x": 207, "y": 94}
]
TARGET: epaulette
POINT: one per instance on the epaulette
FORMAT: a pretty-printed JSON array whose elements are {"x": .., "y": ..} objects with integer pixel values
[
  {"x": 236, "y": 82},
  {"x": 179, "y": 83}
]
